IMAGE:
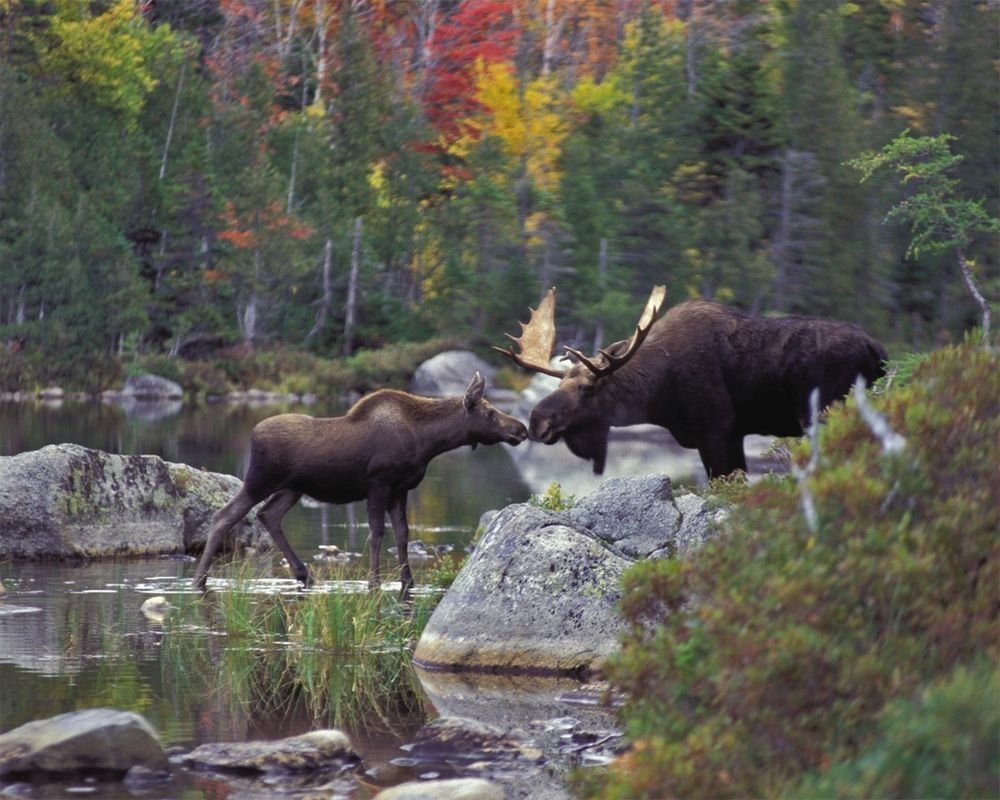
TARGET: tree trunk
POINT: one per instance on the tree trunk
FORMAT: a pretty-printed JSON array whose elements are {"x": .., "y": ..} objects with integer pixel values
[
  {"x": 326, "y": 303},
  {"x": 173, "y": 121},
  {"x": 602, "y": 272},
  {"x": 779, "y": 247},
  {"x": 352, "y": 289},
  {"x": 970, "y": 284},
  {"x": 320, "y": 50}
]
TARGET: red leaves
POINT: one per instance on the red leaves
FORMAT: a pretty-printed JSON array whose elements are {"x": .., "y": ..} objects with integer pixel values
[
  {"x": 479, "y": 31},
  {"x": 244, "y": 232}
]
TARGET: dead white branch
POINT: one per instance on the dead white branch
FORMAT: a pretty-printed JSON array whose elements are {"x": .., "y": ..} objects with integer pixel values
[
  {"x": 803, "y": 474},
  {"x": 892, "y": 442}
]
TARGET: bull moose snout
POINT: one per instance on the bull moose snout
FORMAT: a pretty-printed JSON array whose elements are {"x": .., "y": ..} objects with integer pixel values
[{"x": 542, "y": 431}]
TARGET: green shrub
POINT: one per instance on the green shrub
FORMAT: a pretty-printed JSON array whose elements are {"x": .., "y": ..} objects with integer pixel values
[
  {"x": 775, "y": 650},
  {"x": 946, "y": 743},
  {"x": 553, "y": 499}
]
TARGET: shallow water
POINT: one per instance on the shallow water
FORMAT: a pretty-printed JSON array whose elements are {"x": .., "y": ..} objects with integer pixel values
[{"x": 73, "y": 635}]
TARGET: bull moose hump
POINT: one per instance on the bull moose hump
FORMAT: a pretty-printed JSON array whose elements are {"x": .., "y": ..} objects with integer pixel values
[{"x": 708, "y": 373}]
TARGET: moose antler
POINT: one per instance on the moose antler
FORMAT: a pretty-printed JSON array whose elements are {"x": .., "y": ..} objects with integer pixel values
[
  {"x": 616, "y": 360},
  {"x": 537, "y": 339}
]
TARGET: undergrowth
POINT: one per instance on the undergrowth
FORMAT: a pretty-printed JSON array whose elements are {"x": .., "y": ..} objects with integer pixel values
[{"x": 784, "y": 657}]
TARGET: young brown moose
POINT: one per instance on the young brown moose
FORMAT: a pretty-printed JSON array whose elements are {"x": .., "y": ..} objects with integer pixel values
[
  {"x": 379, "y": 450},
  {"x": 707, "y": 373}
]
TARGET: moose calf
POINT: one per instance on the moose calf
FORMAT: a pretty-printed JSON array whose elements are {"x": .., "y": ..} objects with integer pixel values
[
  {"x": 707, "y": 373},
  {"x": 379, "y": 450}
]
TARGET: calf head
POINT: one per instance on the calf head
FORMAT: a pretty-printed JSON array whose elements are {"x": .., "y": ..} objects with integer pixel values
[
  {"x": 581, "y": 408},
  {"x": 486, "y": 424}
]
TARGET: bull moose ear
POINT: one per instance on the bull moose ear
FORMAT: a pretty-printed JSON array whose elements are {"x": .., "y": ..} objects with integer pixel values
[{"x": 474, "y": 392}]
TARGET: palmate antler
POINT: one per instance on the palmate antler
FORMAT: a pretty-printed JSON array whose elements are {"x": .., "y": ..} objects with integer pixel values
[{"x": 538, "y": 337}]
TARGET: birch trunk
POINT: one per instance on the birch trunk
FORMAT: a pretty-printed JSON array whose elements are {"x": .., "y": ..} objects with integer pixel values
[
  {"x": 352, "y": 289},
  {"x": 970, "y": 284},
  {"x": 602, "y": 272},
  {"x": 326, "y": 303},
  {"x": 173, "y": 121}
]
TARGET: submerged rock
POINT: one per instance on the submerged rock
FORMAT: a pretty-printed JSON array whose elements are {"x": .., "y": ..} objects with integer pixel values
[
  {"x": 448, "y": 789},
  {"x": 67, "y": 501},
  {"x": 317, "y": 750},
  {"x": 462, "y": 739},
  {"x": 540, "y": 592},
  {"x": 99, "y": 740}
]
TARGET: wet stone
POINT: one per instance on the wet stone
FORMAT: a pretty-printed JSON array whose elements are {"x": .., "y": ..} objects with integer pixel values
[
  {"x": 456, "y": 739},
  {"x": 95, "y": 740},
  {"x": 315, "y": 751},
  {"x": 449, "y": 789}
]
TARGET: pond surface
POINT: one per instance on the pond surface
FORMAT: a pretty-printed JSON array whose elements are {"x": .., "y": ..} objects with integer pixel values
[{"x": 72, "y": 635}]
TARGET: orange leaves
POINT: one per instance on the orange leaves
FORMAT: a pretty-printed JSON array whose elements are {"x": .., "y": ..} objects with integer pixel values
[{"x": 245, "y": 232}]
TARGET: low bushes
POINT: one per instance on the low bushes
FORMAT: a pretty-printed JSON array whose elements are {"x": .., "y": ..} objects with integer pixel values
[{"x": 777, "y": 652}]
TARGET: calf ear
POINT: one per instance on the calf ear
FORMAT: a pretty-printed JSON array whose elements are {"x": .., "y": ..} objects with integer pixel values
[{"x": 474, "y": 392}]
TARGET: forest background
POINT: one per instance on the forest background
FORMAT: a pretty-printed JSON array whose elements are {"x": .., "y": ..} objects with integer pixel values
[{"x": 206, "y": 181}]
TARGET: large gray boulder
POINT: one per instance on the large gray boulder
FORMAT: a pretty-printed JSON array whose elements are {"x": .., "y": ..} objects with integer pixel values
[
  {"x": 449, "y": 373},
  {"x": 99, "y": 739},
  {"x": 151, "y": 387},
  {"x": 540, "y": 592},
  {"x": 66, "y": 501}
]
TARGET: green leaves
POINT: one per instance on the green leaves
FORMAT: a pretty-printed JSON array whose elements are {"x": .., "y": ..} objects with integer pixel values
[{"x": 939, "y": 218}]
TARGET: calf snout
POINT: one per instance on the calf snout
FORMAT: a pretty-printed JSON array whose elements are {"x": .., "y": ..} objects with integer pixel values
[{"x": 517, "y": 433}]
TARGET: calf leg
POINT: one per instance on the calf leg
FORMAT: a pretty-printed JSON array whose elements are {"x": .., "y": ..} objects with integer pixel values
[
  {"x": 223, "y": 519},
  {"x": 271, "y": 514},
  {"x": 377, "y": 501},
  {"x": 401, "y": 529}
]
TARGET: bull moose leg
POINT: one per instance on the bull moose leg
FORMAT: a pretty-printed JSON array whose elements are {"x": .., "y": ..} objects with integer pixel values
[
  {"x": 223, "y": 519},
  {"x": 737, "y": 455},
  {"x": 401, "y": 529},
  {"x": 714, "y": 458},
  {"x": 271, "y": 514},
  {"x": 722, "y": 454}
]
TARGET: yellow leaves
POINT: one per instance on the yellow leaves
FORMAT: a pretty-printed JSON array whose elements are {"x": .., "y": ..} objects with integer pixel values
[
  {"x": 599, "y": 98},
  {"x": 525, "y": 119},
  {"x": 109, "y": 54}
]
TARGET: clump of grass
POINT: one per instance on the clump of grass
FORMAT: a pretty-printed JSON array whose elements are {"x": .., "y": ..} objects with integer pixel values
[
  {"x": 553, "y": 499},
  {"x": 340, "y": 653}
]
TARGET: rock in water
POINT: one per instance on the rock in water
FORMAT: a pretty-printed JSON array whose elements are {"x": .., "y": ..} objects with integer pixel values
[
  {"x": 98, "y": 739},
  {"x": 449, "y": 789},
  {"x": 66, "y": 501},
  {"x": 317, "y": 750},
  {"x": 540, "y": 592}
]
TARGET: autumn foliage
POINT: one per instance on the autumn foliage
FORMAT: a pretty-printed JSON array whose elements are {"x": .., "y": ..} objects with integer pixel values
[{"x": 206, "y": 164}]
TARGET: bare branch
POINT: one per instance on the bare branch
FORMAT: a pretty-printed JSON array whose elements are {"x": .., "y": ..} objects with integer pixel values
[
  {"x": 802, "y": 475},
  {"x": 892, "y": 442}
]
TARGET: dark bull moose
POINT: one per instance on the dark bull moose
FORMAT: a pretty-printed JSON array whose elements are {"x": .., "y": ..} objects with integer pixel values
[
  {"x": 378, "y": 451},
  {"x": 707, "y": 373}
]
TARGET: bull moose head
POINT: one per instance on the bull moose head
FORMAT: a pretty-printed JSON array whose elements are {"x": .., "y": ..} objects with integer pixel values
[{"x": 588, "y": 400}]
